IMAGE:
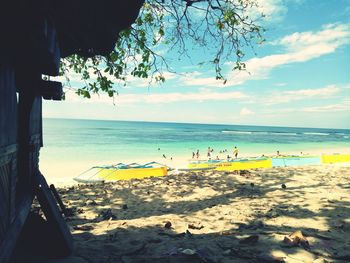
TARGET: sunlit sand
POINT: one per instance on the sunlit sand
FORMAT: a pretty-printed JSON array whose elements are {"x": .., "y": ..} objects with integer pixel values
[{"x": 217, "y": 217}]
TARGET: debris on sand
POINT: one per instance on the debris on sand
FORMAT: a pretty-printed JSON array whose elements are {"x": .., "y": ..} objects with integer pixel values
[
  {"x": 167, "y": 224},
  {"x": 297, "y": 239},
  {"x": 251, "y": 240}
]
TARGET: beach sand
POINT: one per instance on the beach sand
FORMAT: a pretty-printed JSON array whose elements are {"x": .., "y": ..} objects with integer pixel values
[
  {"x": 62, "y": 173},
  {"x": 215, "y": 217}
]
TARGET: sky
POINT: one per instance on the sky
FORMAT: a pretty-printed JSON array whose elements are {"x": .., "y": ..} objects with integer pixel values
[{"x": 299, "y": 78}]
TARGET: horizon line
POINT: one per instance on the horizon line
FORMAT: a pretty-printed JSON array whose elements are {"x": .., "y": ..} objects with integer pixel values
[{"x": 196, "y": 123}]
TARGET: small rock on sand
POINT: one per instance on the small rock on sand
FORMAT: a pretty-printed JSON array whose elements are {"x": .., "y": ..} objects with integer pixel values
[{"x": 167, "y": 224}]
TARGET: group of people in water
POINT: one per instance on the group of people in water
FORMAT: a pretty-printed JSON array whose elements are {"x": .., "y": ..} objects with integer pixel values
[{"x": 210, "y": 152}]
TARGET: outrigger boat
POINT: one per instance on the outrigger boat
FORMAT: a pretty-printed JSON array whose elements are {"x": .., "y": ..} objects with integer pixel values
[
  {"x": 335, "y": 158},
  {"x": 232, "y": 165},
  {"x": 122, "y": 171},
  {"x": 265, "y": 162},
  {"x": 286, "y": 161}
]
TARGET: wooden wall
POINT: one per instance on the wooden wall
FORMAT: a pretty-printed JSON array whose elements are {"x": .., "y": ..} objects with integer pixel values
[
  {"x": 8, "y": 147},
  {"x": 35, "y": 135}
]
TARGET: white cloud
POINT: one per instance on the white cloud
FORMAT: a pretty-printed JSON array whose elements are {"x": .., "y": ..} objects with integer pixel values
[
  {"x": 197, "y": 80},
  {"x": 321, "y": 92},
  {"x": 245, "y": 112},
  {"x": 131, "y": 81},
  {"x": 274, "y": 10},
  {"x": 180, "y": 97},
  {"x": 301, "y": 94},
  {"x": 73, "y": 77},
  {"x": 280, "y": 84},
  {"x": 300, "y": 47},
  {"x": 342, "y": 106},
  {"x": 147, "y": 82},
  {"x": 332, "y": 36},
  {"x": 158, "y": 98}
]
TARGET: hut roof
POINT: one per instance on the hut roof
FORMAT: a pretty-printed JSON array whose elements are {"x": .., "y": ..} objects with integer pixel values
[
  {"x": 90, "y": 27},
  {"x": 84, "y": 27}
]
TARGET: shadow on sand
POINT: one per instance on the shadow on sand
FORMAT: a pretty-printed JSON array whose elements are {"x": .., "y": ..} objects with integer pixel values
[{"x": 215, "y": 217}]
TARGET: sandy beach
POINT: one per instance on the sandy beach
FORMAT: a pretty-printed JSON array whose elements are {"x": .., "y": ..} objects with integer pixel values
[
  {"x": 255, "y": 216},
  {"x": 62, "y": 173}
]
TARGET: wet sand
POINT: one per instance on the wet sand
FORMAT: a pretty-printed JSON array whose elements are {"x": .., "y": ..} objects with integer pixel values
[{"x": 215, "y": 217}]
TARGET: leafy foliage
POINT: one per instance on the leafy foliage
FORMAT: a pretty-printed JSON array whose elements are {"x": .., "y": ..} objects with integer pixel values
[{"x": 223, "y": 26}]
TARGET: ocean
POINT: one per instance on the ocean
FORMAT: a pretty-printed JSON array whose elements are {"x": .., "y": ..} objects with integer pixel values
[{"x": 73, "y": 146}]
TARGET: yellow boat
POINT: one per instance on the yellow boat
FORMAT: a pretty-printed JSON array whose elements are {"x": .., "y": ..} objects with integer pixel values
[
  {"x": 335, "y": 158},
  {"x": 201, "y": 165},
  {"x": 122, "y": 171},
  {"x": 234, "y": 165},
  {"x": 113, "y": 174}
]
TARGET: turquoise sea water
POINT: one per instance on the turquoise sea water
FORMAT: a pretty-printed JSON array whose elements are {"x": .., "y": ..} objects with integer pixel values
[{"x": 91, "y": 142}]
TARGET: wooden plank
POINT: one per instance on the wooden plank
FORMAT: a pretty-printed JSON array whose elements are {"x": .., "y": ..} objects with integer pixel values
[
  {"x": 3, "y": 222},
  {"x": 13, "y": 183},
  {"x": 26, "y": 81},
  {"x": 8, "y": 147},
  {"x": 5, "y": 186},
  {"x": 4, "y": 198},
  {"x": 8, "y": 107},
  {"x": 35, "y": 120},
  {"x": 62, "y": 235},
  {"x": 51, "y": 90},
  {"x": 5, "y": 159},
  {"x": 5, "y": 151},
  {"x": 59, "y": 200},
  {"x": 35, "y": 140},
  {"x": 10, "y": 238},
  {"x": 52, "y": 55}
]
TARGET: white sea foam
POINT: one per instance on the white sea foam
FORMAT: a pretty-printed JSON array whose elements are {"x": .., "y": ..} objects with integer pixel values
[
  {"x": 262, "y": 133},
  {"x": 238, "y": 132},
  {"x": 316, "y": 133},
  {"x": 285, "y": 133}
]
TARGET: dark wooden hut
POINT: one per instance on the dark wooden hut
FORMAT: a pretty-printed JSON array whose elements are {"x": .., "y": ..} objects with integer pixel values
[{"x": 34, "y": 36}]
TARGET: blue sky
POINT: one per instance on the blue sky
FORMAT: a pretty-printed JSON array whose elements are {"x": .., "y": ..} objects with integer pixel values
[{"x": 299, "y": 77}]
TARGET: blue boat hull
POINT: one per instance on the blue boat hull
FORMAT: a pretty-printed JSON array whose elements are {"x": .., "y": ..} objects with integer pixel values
[{"x": 295, "y": 161}]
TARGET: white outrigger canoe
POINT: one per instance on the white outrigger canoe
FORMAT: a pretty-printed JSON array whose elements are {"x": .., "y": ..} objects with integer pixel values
[{"x": 122, "y": 171}]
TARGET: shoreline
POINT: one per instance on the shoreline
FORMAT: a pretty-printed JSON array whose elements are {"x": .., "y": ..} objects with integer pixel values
[{"x": 62, "y": 175}]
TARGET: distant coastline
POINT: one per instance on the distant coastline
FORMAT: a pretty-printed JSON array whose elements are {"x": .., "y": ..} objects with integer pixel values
[{"x": 195, "y": 123}]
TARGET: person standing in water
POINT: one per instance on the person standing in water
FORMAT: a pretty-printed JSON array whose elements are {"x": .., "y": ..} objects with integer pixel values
[{"x": 235, "y": 152}]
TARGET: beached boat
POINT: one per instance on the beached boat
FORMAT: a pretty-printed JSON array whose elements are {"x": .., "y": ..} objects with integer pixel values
[
  {"x": 286, "y": 161},
  {"x": 335, "y": 158},
  {"x": 232, "y": 165},
  {"x": 122, "y": 172}
]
